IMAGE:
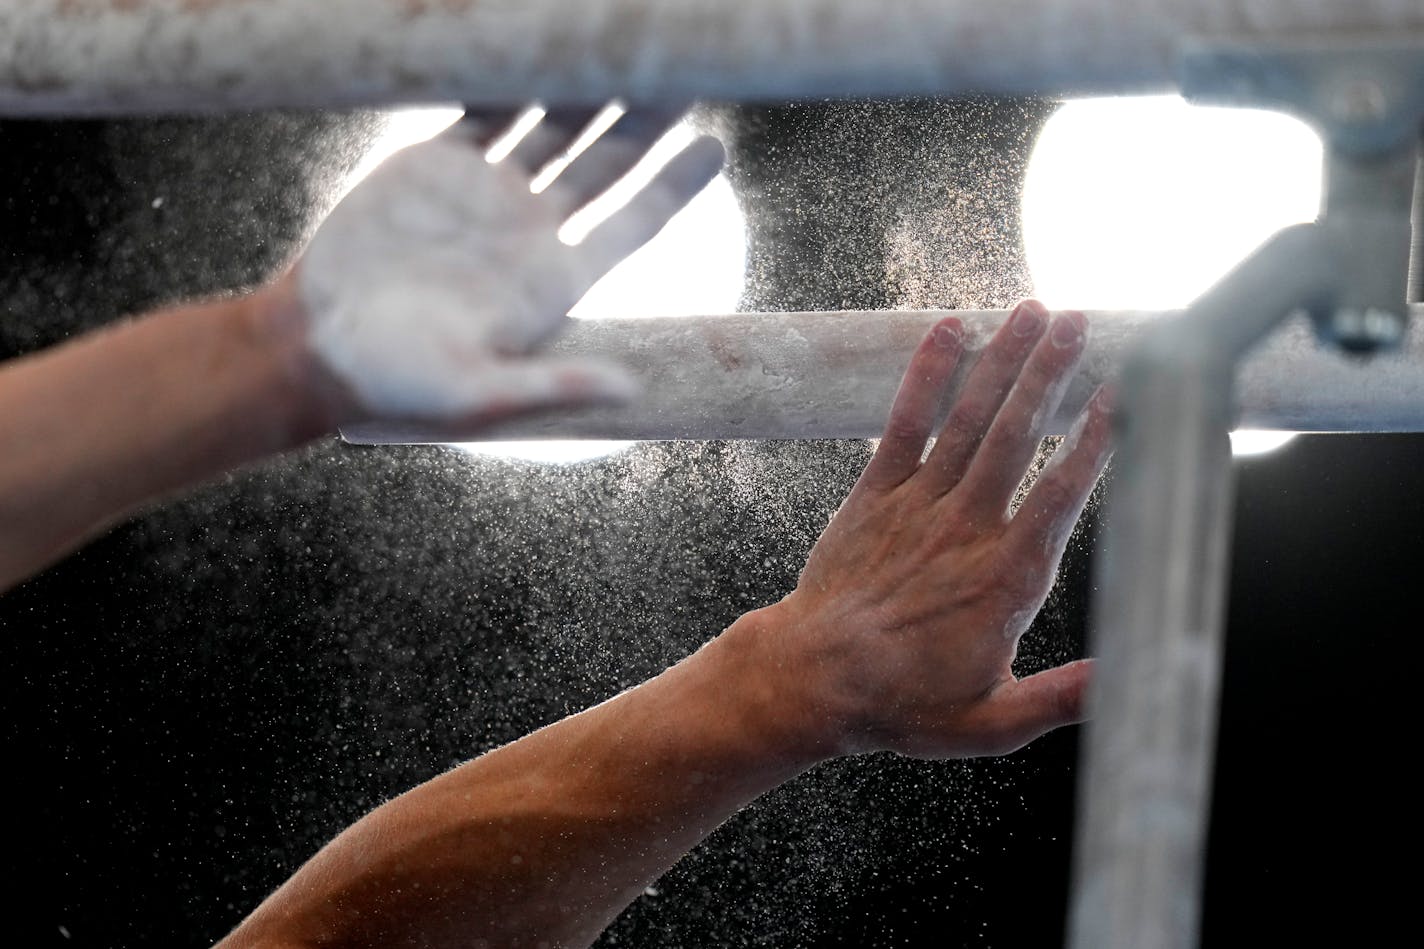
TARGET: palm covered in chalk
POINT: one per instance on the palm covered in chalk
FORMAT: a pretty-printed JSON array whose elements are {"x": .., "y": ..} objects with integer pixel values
[{"x": 431, "y": 284}]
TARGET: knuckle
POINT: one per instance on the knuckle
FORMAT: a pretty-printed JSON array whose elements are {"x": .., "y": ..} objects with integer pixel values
[
  {"x": 1056, "y": 494},
  {"x": 1005, "y": 436},
  {"x": 1065, "y": 703},
  {"x": 965, "y": 416},
  {"x": 904, "y": 428},
  {"x": 1042, "y": 373},
  {"x": 1007, "y": 352},
  {"x": 929, "y": 368},
  {"x": 1017, "y": 589},
  {"x": 994, "y": 580}
]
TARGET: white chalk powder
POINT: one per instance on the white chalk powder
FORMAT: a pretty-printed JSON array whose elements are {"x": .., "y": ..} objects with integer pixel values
[{"x": 435, "y": 271}]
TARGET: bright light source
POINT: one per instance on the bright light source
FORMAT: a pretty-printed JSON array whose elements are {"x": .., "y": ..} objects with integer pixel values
[
  {"x": 546, "y": 452},
  {"x": 695, "y": 267},
  {"x": 1248, "y": 441},
  {"x": 1144, "y": 203}
]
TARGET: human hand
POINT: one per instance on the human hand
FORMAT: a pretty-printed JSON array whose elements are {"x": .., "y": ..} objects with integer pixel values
[
  {"x": 907, "y": 617},
  {"x": 430, "y": 285}
]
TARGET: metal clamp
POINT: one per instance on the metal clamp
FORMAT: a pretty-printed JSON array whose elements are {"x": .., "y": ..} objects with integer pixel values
[
  {"x": 1366, "y": 99},
  {"x": 1364, "y": 96}
]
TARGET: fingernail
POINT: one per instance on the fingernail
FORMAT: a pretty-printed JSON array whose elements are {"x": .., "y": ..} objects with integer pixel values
[
  {"x": 948, "y": 335},
  {"x": 1068, "y": 330},
  {"x": 1028, "y": 318}
]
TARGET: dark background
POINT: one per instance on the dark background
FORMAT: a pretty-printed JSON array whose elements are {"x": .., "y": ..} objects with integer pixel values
[{"x": 198, "y": 700}]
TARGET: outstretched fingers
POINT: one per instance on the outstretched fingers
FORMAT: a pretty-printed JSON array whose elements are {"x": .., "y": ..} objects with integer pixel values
[
  {"x": 984, "y": 392},
  {"x": 916, "y": 407},
  {"x": 998, "y": 466},
  {"x": 552, "y": 136},
  {"x": 483, "y": 126},
  {"x": 1040, "y": 530},
  {"x": 610, "y": 156}
]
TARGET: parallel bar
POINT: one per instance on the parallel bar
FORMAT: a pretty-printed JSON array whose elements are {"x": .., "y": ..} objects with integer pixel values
[
  {"x": 124, "y": 56},
  {"x": 832, "y": 375}
]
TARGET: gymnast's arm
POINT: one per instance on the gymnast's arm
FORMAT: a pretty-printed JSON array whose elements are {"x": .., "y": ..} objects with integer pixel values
[
  {"x": 425, "y": 295},
  {"x": 95, "y": 427},
  {"x": 899, "y": 636}
]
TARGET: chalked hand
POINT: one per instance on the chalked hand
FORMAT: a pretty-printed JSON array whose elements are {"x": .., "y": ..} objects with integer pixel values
[
  {"x": 906, "y": 619},
  {"x": 428, "y": 290}
]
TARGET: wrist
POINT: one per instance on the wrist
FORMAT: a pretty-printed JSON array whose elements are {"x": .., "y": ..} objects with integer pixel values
[
  {"x": 783, "y": 680},
  {"x": 277, "y": 319}
]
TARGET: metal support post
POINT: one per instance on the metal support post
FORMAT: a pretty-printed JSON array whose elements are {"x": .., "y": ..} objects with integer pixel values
[
  {"x": 1163, "y": 565},
  {"x": 1157, "y": 620}
]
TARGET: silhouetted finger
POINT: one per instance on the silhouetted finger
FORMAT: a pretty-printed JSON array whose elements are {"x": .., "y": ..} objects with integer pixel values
[
  {"x": 552, "y": 137},
  {"x": 998, "y": 466},
  {"x": 611, "y": 156},
  {"x": 484, "y": 126},
  {"x": 984, "y": 392},
  {"x": 647, "y": 212},
  {"x": 916, "y": 407},
  {"x": 1040, "y": 529}
]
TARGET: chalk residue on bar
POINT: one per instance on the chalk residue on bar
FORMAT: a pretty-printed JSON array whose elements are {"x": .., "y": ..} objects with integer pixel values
[{"x": 833, "y": 375}]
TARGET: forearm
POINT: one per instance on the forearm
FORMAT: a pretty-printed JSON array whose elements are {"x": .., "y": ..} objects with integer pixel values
[
  {"x": 96, "y": 427},
  {"x": 544, "y": 841}
]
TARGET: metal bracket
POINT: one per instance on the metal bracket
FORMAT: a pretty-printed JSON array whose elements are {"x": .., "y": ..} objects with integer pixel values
[
  {"x": 1366, "y": 99},
  {"x": 1364, "y": 96}
]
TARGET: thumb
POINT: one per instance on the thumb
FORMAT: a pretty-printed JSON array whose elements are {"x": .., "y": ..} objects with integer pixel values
[
  {"x": 1042, "y": 702},
  {"x": 505, "y": 390},
  {"x": 491, "y": 393}
]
